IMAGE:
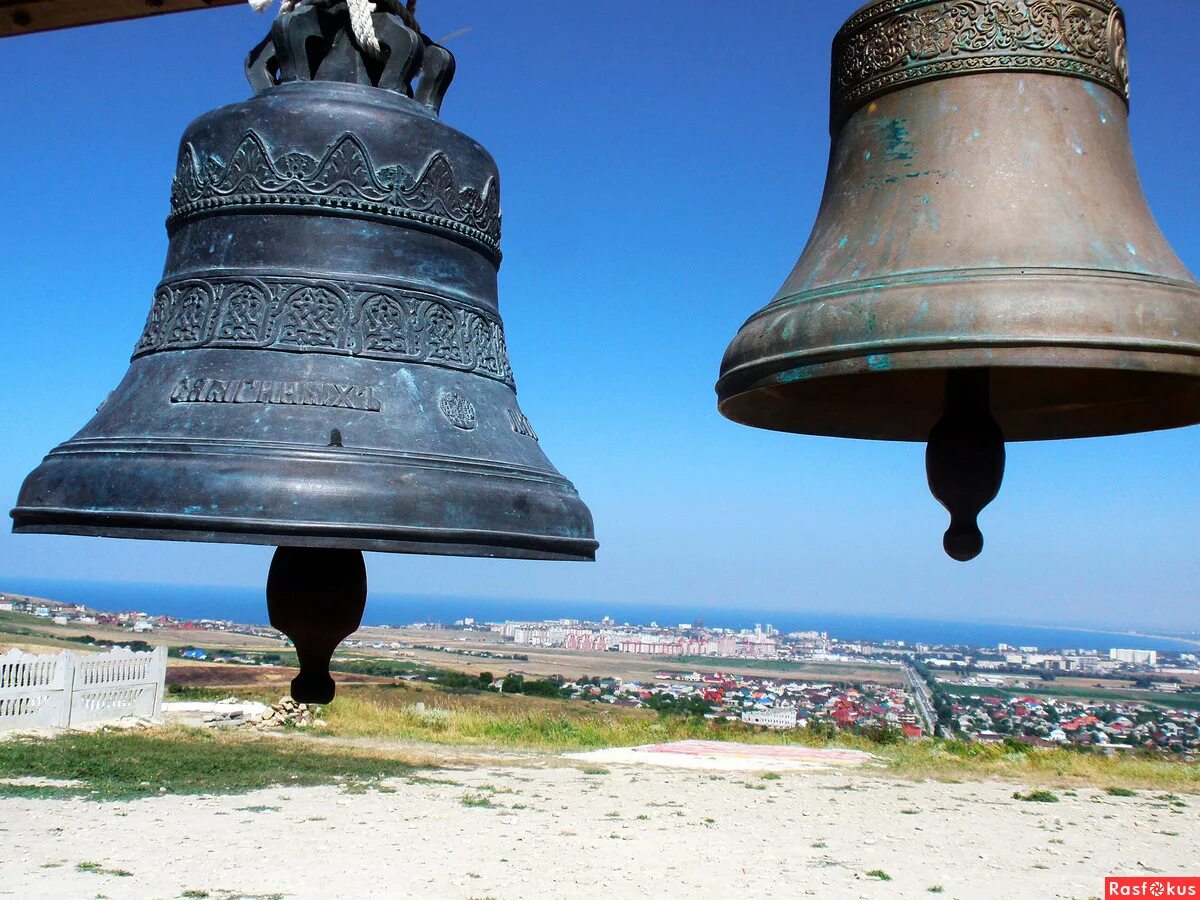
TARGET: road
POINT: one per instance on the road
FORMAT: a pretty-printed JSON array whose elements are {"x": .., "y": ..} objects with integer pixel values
[{"x": 924, "y": 699}]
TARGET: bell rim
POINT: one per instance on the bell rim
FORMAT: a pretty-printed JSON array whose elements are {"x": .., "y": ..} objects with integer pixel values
[
  {"x": 272, "y": 493},
  {"x": 793, "y": 358},
  {"x": 759, "y": 404},
  {"x": 225, "y": 530}
]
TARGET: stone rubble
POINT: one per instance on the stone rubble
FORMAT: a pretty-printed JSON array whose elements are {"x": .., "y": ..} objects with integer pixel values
[
  {"x": 232, "y": 712},
  {"x": 287, "y": 712}
]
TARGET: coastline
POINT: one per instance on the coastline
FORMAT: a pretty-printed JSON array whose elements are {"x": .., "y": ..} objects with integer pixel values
[{"x": 247, "y": 606}]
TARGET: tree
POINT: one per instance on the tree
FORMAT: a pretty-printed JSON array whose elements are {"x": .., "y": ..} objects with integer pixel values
[
  {"x": 540, "y": 689},
  {"x": 881, "y": 734},
  {"x": 486, "y": 679},
  {"x": 513, "y": 683}
]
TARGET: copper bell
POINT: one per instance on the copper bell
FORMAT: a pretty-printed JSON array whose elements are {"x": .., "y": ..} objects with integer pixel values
[
  {"x": 984, "y": 266},
  {"x": 323, "y": 367}
]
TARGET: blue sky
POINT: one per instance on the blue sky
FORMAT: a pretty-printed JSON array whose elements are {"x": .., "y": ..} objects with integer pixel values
[{"x": 661, "y": 165}]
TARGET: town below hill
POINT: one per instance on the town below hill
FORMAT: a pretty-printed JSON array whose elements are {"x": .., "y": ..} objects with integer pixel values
[{"x": 1115, "y": 699}]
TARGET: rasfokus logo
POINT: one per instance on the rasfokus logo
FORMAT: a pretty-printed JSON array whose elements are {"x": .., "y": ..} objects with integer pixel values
[{"x": 1152, "y": 886}]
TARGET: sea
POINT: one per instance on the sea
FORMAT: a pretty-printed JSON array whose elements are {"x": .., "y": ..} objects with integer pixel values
[{"x": 248, "y": 606}]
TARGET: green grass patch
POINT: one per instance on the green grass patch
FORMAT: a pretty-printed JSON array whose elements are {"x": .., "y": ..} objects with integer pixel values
[
  {"x": 1071, "y": 692},
  {"x": 124, "y": 765},
  {"x": 879, "y": 875},
  {"x": 96, "y": 868},
  {"x": 1038, "y": 796},
  {"x": 1116, "y": 791},
  {"x": 479, "y": 801},
  {"x": 424, "y": 779}
]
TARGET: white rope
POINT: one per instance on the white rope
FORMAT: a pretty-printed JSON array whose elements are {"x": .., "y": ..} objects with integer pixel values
[
  {"x": 363, "y": 27},
  {"x": 360, "y": 20}
]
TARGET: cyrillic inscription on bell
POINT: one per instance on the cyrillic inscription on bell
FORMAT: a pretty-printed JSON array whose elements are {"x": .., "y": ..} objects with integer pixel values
[
  {"x": 984, "y": 267},
  {"x": 324, "y": 363}
]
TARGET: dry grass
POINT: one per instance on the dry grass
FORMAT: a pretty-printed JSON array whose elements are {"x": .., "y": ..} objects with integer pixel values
[
  {"x": 530, "y": 723},
  {"x": 507, "y": 721},
  {"x": 371, "y": 727},
  {"x": 955, "y": 760}
]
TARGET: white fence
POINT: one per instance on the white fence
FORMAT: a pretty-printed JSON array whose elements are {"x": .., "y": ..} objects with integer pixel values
[{"x": 70, "y": 689}]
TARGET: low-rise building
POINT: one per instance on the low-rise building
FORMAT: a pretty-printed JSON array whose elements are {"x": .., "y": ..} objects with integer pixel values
[{"x": 772, "y": 717}]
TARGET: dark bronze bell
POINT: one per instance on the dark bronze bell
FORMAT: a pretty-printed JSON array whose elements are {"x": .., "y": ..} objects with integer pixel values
[
  {"x": 984, "y": 266},
  {"x": 323, "y": 367}
]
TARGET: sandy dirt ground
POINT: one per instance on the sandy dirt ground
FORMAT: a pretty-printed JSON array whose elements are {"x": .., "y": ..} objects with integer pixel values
[{"x": 546, "y": 827}]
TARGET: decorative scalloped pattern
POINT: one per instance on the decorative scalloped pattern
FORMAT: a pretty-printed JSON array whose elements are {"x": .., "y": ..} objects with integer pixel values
[
  {"x": 899, "y": 42},
  {"x": 344, "y": 178}
]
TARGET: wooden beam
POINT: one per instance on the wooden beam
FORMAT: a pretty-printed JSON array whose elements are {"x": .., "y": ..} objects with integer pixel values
[{"x": 31, "y": 16}]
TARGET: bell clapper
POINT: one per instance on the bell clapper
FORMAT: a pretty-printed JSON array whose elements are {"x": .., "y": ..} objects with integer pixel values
[
  {"x": 964, "y": 460},
  {"x": 316, "y": 597}
]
